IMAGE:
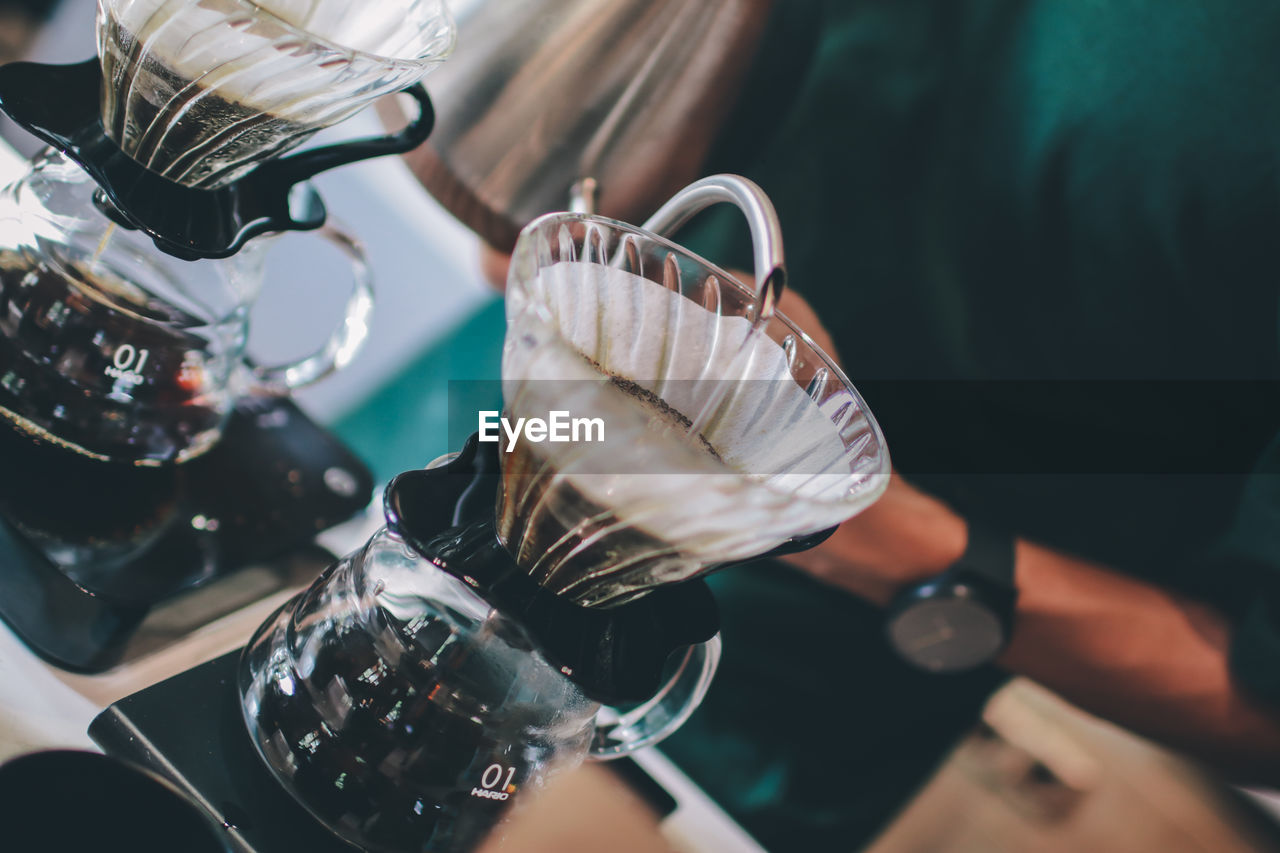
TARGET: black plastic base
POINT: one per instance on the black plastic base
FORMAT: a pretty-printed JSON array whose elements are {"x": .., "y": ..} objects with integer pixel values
[
  {"x": 616, "y": 655},
  {"x": 88, "y": 551}
]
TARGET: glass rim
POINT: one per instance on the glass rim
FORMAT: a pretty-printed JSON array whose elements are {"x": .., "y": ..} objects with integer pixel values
[
  {"x": 351, "y": 52},
  {"x": 884, "y": 466}
]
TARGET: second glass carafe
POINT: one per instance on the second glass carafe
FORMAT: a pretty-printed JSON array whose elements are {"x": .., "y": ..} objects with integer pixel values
[{"x": 118, "y": 351}]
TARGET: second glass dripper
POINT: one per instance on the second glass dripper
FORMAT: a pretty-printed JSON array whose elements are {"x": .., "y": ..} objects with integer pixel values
[
  {"x": 725, "y": 430},
  {"x": 199, "y": 91}
]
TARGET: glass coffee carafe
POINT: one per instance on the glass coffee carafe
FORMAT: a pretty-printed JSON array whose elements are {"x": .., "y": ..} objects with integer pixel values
[
  {"x": 120, "y": 352},
  {"x": 407, "y": 710},
  {"x": 132, "y": 252},
  {"x": 524, "y": 609}
]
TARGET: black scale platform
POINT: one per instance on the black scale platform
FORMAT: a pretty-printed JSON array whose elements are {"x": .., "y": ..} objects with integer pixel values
[
  {"x": 91, "y": 554},
  {"x": 189, "y": 729}
]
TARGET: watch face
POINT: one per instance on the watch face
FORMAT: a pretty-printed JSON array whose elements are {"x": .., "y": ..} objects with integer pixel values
[{"x": 947, "y": 634}]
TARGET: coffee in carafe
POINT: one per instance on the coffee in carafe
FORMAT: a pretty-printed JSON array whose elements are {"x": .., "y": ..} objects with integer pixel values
[
  {"x": 119, "y": 352},
  {"x": 94, "y": 364},
  {"x": 89, "y": 518},
  {"x": 413, "y": 734}
]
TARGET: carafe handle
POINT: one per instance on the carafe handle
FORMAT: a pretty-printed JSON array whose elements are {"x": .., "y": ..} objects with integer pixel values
[
  {"x": 621, "y": 733},
  {"x": 346, "y": 340},
  {"x": 762, "y": 218}
]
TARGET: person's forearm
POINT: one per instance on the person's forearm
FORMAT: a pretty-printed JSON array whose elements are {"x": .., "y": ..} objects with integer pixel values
[
  {"x": 1123, "y": 649},
  {"x": 1120, "y": 648},
  {"x": 1139, "y": 656}
]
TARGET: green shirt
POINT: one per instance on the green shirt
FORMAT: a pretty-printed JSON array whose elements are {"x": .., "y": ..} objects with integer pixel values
[{"x": 1043, "y": 237}]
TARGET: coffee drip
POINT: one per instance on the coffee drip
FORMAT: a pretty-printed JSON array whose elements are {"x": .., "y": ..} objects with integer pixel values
[
  {"x": 550, "y": 550},
  {"x": 181, "y": 140}
]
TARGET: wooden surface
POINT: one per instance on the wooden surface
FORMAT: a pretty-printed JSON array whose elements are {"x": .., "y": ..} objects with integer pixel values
[
  {"x": 587, "y": 811},
  {"x": 1039, "y": 776},
  {"x": 1044, "y": 777}
]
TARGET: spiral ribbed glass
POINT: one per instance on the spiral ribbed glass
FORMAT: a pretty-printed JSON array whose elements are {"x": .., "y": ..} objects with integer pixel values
[
  {"x": 202, "y": 90},
  {"x": 592, "y": 301}
]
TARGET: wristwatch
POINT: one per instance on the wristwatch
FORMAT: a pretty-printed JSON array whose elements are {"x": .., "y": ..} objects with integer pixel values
[{"x": 962, "y": 618}]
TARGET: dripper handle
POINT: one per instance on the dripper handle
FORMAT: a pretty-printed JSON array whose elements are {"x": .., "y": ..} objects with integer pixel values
[
  {"x": 762, "y": 218},
  {"x": 622, "y": 734},
  {"x": 304, "y": 165}
]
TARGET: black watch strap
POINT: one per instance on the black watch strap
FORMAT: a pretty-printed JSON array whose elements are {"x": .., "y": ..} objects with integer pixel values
[{"x": 989, "y": 555}]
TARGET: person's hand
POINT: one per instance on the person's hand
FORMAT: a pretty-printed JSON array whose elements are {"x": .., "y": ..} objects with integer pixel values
[{"x": 904, "y": 538}]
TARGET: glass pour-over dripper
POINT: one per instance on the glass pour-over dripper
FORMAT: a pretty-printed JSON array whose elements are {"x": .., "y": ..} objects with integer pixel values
[
  {"x": 726, "y": 430},
  {"x": 199, "y": 91}
]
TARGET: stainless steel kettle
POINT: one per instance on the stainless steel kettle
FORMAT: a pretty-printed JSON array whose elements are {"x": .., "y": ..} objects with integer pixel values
[{"x": 614, "y": 103}]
